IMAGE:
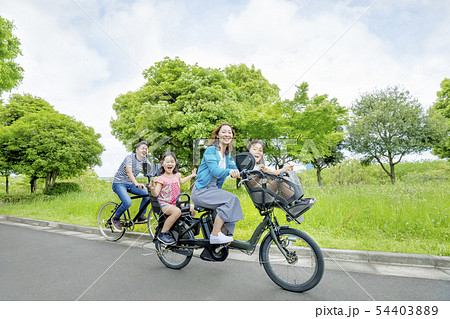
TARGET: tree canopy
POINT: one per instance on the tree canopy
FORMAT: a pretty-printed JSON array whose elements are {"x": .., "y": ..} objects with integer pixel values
[
  {"x": 315, "y": 124},
  {"x": 440, "y": 112},
  {"x": 10, "y": 71},
  {"x": 43, "y": 143},
  {"x": 181, "y": 103},
  {"x": 386, "y": 125}
]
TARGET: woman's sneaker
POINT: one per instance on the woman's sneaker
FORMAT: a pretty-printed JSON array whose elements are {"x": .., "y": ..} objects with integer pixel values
[
  {"x": 220, "y": 239},
  {"x": 166, "y": 238}
]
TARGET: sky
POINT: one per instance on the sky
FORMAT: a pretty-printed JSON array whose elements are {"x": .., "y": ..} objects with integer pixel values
[{"x": 80, "y": 55}]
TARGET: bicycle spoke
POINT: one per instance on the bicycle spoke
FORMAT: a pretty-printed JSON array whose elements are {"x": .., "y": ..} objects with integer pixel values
[{"x": 301, "y": 268}]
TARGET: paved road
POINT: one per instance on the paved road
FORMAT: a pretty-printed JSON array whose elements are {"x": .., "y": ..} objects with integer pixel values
[{"x": 42, "y": 265}]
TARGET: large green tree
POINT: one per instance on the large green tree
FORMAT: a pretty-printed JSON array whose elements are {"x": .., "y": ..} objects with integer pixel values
[
  {"x": 18, "y": 106},
  {"x": 386, "y": 125},
  {"x": 10, "y": 71},
  {"x": 257, "y": 98},
  {"x": 182, "y": 103},
  {"x": 314, "y": 125},
  {"x": 440, "y": 112},
  {"x": 43, "y": 143}
]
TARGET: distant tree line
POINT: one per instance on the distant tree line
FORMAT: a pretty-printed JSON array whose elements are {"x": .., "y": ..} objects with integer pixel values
[{"x": 180, "y": 104}]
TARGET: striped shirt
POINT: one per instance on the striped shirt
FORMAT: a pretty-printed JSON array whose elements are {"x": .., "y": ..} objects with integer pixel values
[{"x": 136, "y": 166}]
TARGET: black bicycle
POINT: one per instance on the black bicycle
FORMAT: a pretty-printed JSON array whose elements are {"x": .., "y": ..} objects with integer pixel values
[
  {"x": 289, "y": 256},
  {"x": 108, "y": 210}
]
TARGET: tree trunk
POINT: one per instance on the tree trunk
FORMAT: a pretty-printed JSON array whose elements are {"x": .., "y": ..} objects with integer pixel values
[
  {"x": 54, "y": 176},
  {"x": 50, "y": 179},
  {"x": 319, "y": 177},
  {"x": 7, "y": 184},
  {"x": 392, "y": 175},
  {"x": 47, "y": 182},
  {"x": 33, "y": 184}
]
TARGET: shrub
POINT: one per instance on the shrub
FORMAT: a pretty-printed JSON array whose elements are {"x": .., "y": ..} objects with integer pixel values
[
  {"x": 62, "y": 188},
  {"x": 16, "y": 198}
]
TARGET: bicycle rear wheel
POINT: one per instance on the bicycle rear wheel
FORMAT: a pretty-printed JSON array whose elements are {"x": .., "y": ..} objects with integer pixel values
[
  {"x": 303, "y": 266},
  {"x": 105, "y": 224},
  {"x": 175, "y": 257}
]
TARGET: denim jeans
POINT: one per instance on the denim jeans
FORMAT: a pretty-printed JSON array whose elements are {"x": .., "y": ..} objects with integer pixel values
[{"x": 122, "y": 191}]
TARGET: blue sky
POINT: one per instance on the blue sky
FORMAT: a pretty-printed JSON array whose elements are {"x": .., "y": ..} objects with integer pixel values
[{"x": 341, "y": 48}]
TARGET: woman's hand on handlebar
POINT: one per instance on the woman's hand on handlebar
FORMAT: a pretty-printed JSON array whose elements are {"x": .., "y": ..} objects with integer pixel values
[{"x": 234, "y": 173}]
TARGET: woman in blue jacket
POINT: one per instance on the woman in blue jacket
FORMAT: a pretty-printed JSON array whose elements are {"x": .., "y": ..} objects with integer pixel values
[{"x": 215, "y": 167}]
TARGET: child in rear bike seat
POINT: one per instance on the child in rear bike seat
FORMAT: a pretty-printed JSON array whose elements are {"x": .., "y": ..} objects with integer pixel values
[
  {"x": 256, "y": 148},
  {"x": 166, "y": 188}
]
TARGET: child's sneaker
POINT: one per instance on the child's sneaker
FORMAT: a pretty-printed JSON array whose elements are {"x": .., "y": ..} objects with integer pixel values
[{"x": 166, "y": 238}]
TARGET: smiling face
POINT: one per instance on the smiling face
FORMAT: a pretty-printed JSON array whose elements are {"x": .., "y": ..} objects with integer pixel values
[
  {"x": 257, "y": 150},
  {"x": 142, "y": 151},
  {"x": 169, "y": 164},
  {"x": 225, "y": 135}
]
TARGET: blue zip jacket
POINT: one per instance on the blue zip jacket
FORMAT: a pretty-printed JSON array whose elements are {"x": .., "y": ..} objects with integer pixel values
[{"x": 209, "y": 168}]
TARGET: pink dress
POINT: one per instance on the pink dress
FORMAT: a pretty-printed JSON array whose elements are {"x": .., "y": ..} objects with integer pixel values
[{"x": 170, "y": 189}]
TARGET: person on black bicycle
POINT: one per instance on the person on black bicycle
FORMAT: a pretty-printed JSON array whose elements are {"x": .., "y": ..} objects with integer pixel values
[
  {"x": 215, "y": 167},
  {"x": 166, "y": 188},
  {"x": 125, "y": 182}
]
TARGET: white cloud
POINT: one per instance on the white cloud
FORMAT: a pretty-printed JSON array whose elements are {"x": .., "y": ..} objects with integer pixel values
[{"x": 72, "y": 63}]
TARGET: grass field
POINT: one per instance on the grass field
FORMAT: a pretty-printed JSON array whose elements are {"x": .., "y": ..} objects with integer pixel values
[{"x": 356, "y": 209}]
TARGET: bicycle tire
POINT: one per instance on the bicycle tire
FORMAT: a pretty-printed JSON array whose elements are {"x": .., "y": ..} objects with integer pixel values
[
  {"x": 305, "y": 267},
  {"x": 152, "y": 223},
  {"x": 175, "y": 257},
  {"x": 104, "y": 222}
]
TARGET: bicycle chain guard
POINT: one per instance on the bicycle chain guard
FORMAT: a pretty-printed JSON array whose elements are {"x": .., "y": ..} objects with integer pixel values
[{"x": 215, "y": 253}]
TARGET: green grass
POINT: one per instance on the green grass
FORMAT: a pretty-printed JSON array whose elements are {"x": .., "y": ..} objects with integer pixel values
[{"x": 362, "y": 212}]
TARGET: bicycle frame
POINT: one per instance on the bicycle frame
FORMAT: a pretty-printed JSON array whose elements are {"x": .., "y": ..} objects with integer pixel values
[
  {"x": 268, "y": 223},
  {"x": 140, "y": 210},
  {"x": 128, "y": 221}
]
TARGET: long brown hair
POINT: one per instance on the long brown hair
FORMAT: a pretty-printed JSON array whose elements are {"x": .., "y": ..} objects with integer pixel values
[{"x": 214, "y": 140}]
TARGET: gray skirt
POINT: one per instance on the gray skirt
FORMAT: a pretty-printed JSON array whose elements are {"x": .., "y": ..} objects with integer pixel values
[{"x": 226, "y": 204}]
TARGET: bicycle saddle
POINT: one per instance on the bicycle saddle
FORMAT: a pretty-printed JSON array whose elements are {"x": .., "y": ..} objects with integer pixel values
[{"x": 200, "y": 208}]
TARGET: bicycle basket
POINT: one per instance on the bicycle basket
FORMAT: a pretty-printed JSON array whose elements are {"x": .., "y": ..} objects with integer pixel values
[{"x": 268, "y": 190}]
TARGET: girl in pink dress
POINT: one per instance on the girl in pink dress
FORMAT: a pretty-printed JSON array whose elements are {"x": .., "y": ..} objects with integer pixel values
[{"x": 166, "y": 188}]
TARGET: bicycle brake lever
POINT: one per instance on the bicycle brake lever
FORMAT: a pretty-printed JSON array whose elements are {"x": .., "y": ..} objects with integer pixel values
[{"x": 244, "y": 180}]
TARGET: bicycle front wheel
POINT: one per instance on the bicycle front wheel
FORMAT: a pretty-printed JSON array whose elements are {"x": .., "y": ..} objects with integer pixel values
[
  {"x": 301, "y": 266},
  {"x": 105, "y": 224}
]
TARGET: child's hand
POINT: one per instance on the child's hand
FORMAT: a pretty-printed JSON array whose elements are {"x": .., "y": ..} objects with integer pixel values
[
  {"x": 194, "y": 172},
  {"x": 288, "y": 168},
  {"x": 152, "y": 184}
]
